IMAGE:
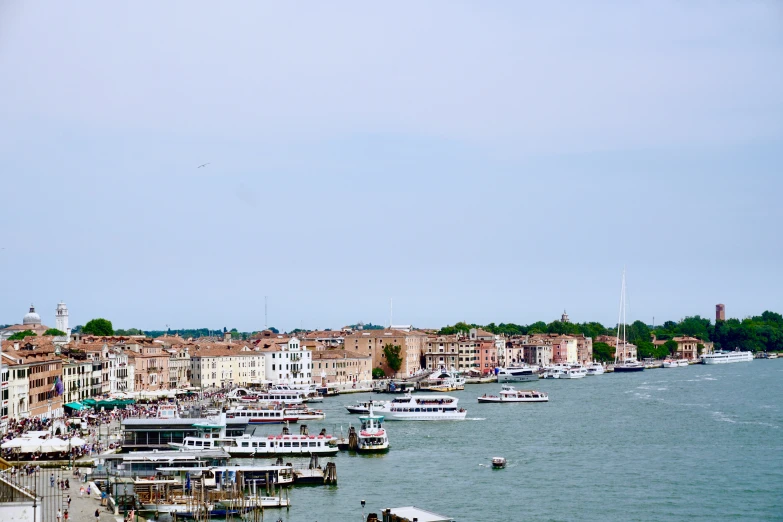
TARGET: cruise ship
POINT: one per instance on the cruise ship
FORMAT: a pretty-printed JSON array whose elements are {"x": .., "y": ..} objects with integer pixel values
[{"x": 727, "y": 357}]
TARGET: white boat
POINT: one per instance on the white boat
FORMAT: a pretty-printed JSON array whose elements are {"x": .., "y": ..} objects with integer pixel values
[
  {"x": 213, "y": 436},
  {"x": 574, "y": 372},
  {"x": 262, "y": 414},
  {"x": 279, "y": 393},
  {"x": 498, "y": 462},
  {"x": 372, "y": 437},
  {"x": 623, "y": 363},
  {"x": 518, "y": 374},
  {"x": 305, "y": 414},
  {"x": 595, "y": 369},
  {"x": 444, "y": 381},
  {"x": 727, "y": 357},
  {"x": 253, "y": 501},
  {"x": 669, "y": 363},
  {"x": 364, "y": 406},
  {"x": 509, "y": 394},
  {"x": 772, "y": 356},
  {"x": 683, "y": 362},
  {"x": 423, "y": 408}
]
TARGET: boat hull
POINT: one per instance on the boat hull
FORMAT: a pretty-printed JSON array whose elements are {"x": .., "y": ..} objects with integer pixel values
[
  {"x": 500, "y": 399},
  {"x": 526, "y": 377},
  {"x": 405, "y": 416},
  {"x": 265, "y": 452},
  {"x": 628, "y": 369},
  {"x": 730, "y": 358}
]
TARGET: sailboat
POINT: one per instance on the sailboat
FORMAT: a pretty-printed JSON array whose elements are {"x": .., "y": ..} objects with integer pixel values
[{"x": 622, "y": 361}]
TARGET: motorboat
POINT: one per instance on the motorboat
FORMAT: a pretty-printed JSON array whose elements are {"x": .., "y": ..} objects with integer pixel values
[
  {"x": 303, "y": 413},
  {"x": 517, "y": 374},
  {"x": 683, "y": 362},
  {"x": 509, "y": 394},
  {"x": 444, "y": 381},
  {"x": 574, "y": 372},
  {"x": 364, "y": 406},
  {"x": 254, "y": 501},
  {"x": 372, "y": 437},
  {"x": 595, "y": 369},
  {"x": 423, "y": 408},
  {"x": 498, "y": 463},
  {"x": 670, "y": 363},
  {"x": 727, "y": 357}
]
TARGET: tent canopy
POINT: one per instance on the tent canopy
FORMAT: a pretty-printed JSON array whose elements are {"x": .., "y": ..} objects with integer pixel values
[{"x": 76, "y": 406}]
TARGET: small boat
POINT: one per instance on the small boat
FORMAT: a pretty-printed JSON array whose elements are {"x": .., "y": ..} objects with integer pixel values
[
  {"x": 254, "y": 501},
  {"x": 517, "y": 374},
  {"x": 772, "y": 356},
  {"x": 372, "y": 437},
  {"x": 498, "y": 463},
  {"x": 595, "y": 369},
  {"x": 509, "y": 394},
  {"x": 304, "y": 414},
  {"x": 669, "y": 363},
  {"x": 574, "y": 372},
  {"x": 364, "y": 406},
  {"x": 682, "y": 362},
  {"x": 212, "y": 513}
]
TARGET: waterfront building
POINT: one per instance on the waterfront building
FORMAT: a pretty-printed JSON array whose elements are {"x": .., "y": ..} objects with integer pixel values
[
  {"x": 179, "y": 366},
  {"x": 329, "y": 338},
  {"x": 625, "y": 352},
  {"x": 150, "y": 362},
  {"x": 564, "y": 349},
  {"x": 287, "y": 361},
  {"x": 441, "y": 351},
  {"x": 536, "y": 351},
  {"x": 371, "y": 342},
  {"x": 222, "y": 364},
  {"x": 35, "y": 358},
  {"x": 341, "y": 366},
  {"x": 688, "y": 347},
  {"x": 76, "y": 378},
  {"x": 584, "y": 349}
]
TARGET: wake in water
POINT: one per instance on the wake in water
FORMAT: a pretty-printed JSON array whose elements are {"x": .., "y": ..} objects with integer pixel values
[{"x": 475, "y": 418}]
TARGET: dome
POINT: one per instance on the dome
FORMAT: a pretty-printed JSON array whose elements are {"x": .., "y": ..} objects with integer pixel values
[{"x": 31, "y": 318}]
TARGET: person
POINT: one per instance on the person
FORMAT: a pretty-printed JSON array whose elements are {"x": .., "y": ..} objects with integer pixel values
[
  {"x": 65, "y": 515},
  {"x": 81, "y": 491},
  {"x": 51, "y": 480},
  {"x": 97, "y": 516},
  {"x": 88, "y": 490},
  {"x": 68, "y": 500},
  {"x": 67, "y": 484},
  {"x": 59, "y": 515}
]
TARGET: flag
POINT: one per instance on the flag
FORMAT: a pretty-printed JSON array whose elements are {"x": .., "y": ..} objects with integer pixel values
[{"x": 57, "y": 388}]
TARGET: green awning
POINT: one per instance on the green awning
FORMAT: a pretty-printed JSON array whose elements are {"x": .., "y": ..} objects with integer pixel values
[
  {"x": 76, "y": 406},
  {"x": 89, "y": 402}
]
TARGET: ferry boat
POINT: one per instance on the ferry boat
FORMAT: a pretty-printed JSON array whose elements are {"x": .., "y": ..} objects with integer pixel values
[
  {"x": 272, "y": 414},
  {"x": 372, "y": 437},
  {"x": 509, "y": 394},
  {"x": 596, "y": 368},
  {"x": 364, "y": 406},
  {"x": 213, "y": 436},
  {"x": 517, "y": 374},
  {"x": 304, "y": 413},
  {"x": 424, "y": 408},
  {"x": 727, "y": 357},
  {"x": 279, "y": 393}
]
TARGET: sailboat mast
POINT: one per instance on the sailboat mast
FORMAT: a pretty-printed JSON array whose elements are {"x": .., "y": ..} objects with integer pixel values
[
  {"x": 619, "y": 319},
  {"x": 625, "y": 319}
]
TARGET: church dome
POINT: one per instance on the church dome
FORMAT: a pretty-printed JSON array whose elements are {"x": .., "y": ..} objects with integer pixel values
[{"x": 31, "y": 318}]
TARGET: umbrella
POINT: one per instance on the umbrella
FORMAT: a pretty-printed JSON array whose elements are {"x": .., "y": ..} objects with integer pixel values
[
  {"x": 14, "y": 443},
  {"x": 78, "y": 441},
  {"x": 44, "y": 445}
]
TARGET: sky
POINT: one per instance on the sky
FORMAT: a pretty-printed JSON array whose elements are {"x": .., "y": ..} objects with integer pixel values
[{"x": 473, "y": 161}]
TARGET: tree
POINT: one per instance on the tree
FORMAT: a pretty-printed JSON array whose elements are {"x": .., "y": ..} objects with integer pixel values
[
  {"x": 670, "y": 346},
  {"x": 393, "y": 357},
  {"x": 378, "y": 373},
  {"x": 273, "y": 330},
  {"x": 98, "y": 326},
  {"x": 602, "y": 352},
  {"x": 18, "y": 336},
  {"x": 55, "y": 332}
]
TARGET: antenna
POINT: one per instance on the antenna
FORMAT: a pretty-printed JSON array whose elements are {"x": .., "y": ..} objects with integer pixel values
[
  {"x": 391, "y": 312},
  {"x": 266, "y": 316}
]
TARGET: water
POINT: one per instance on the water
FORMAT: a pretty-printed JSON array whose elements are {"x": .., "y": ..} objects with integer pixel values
[{"x": 697, "y": 443}]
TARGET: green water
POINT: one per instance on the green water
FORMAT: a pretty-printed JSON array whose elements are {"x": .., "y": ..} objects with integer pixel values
[{"x": 696, "y": 443}]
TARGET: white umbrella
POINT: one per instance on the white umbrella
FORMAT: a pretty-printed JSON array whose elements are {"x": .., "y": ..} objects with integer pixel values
[
  {"x": 77, "y": 441},
  {"x": 44, "y": 445},
  {"x": 14, "y": 443}
]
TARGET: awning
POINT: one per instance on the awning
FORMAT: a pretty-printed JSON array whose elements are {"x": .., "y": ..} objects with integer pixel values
[{"x": 76, "y": 406}]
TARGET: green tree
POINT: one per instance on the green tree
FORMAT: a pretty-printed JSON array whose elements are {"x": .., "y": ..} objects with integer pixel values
[
  {"x": 671, "y": 346},
  {"x": 639, "y": 333},
  {"x": 55, "y": 332},
  {"x": 602, "y": 352},
  {"x": 393, "y": 357},
  {"x": 18, "y": 336},
  {"x": 537, "y": 327},
  {"x": 378, "y": 373},
  {"x": 98, "y": 326}
]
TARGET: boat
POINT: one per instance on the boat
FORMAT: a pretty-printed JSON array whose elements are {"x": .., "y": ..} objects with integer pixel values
[
  {"x": 254, "y": 501},
  {"x": 683, "y": 362},
  {"x": 303, "y": 413},
  {"x": 262, "y": 414},
  {"x": 279, "y": 393},
  {"x": 364, "y": 406},
  {"x": 622, "y": 363},
  {"x": 213, "y": 435},
  {"x": 498, "y": 463},
  {"x": 203, "y": 514},
  {"x": 727, "y": 357},
  {"x": 772, "y": 356},
  {"x": 517, "y": 374},
  {"x": 596, "y": 368},
  {"x": 574, "y": 372},
  {"x": 444, "y": 381},
  {"x": 372, "y": 437},
  {"x": 509, "y": 394},
  {"x": 423, "y": 408},
  {"x": 669, "y": 363}
]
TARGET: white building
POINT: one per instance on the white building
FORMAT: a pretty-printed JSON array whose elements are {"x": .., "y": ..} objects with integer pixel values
[
  {"x": 61, "y": 321},
  {"x": 287, "y": 361}
]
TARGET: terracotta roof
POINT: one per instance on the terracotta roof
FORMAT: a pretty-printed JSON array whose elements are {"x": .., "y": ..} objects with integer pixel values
[
  {"x": 385, "y": 334},
  {"x": 339, "y": 354}
]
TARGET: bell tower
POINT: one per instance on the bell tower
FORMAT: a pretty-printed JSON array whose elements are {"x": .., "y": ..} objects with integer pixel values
[{"x": 62, "y": 320}]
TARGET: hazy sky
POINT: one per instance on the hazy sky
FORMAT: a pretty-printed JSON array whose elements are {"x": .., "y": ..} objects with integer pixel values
[{"x": 477, "y": 161}]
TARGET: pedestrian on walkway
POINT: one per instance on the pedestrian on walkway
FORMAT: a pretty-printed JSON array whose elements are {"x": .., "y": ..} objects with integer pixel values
[
  {"x": 67, "y": 484},
  {"x": 51, "y": 480},
  {"x": 97, "y": 516},
  {"x": 59, "y": 515},
  {"x": 65, "y": 517},
  {"x": 81, "y": 491},
  {"x": 69, "y": 501},
  {"x": 88, "y": 490}
]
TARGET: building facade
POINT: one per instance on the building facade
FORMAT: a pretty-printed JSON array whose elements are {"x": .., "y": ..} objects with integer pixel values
[
  {"x": 340, "y": 366},
  {"x": 372, "y": 342}
]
